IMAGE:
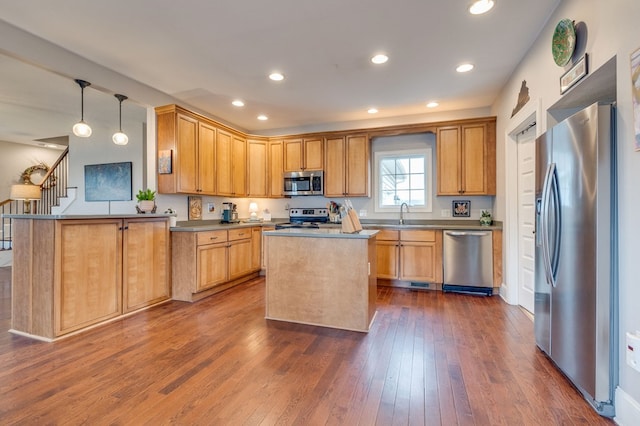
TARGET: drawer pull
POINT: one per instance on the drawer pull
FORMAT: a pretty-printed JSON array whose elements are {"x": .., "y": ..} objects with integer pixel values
[{"x": 213, "y": 238}]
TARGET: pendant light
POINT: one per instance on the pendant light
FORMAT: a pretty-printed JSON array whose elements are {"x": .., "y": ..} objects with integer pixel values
[
  {"x": 82, "y": 129},
  {"x": 120, "y": 138}
]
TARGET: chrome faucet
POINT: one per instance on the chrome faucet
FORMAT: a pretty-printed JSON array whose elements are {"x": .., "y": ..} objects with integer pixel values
[{"x": 401, "y": 215}]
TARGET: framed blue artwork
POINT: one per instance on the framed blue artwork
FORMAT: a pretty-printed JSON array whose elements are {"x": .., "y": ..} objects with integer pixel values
[{"x": 108, "y": 182}]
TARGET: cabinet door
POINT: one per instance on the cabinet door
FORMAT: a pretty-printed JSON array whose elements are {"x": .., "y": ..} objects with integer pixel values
[
  {"x": 239, "y": 166},
  {"x": 265, "y": 243},
  {"x": 276, "y": 169},
  {"x": 256, "y": 248},
  {"x": 224, "y": 155},
  {"x": 293, "y": 155},
  {"x": 88, "y": 286},
  {"x": 257, "y": 168},
  {"x": 211, "y": 265},
  {"x": 474, "y": 160},
  {"x": 206, "y": 159},
  {"x": 239, "y": 258},
  {"x": 313, "y": 152},
  {"x": 448, "y": 159},
  {"x": 334, "y": 168},
  {"x": 357, "y": 166},
  {"x": 418, "y": 262},
  {"x": 186, "y": 155},
  {"x": 145, "y": 263},
  {"x": 387, "y": 259}
]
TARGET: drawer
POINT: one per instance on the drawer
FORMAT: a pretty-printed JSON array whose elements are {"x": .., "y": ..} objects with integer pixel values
[
  {"x": 418, "y": 235},
  {"x": 387, "y": 235},
  {"x": 211, "y": 237},
  {"x": 239, "y": 234}
]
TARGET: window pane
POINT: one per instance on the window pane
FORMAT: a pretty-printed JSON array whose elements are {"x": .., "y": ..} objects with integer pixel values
[
  {"x": 417, "y": 165},
  {"x": 404, "y": 196},
  {"x": 417, "y": 181},
  {"x": 403, "y": 182},
  {"x": 417, "y": 198},
  {"x": 402, "y": 165},
  {"x": 388, "y": 166}
]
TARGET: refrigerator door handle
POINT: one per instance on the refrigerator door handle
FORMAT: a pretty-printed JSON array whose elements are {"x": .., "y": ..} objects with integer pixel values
[
  {"x": 544, "y": 223},
  {"x": 554, "y": 256}
]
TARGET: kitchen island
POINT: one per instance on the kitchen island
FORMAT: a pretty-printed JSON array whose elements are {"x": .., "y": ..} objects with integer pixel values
[{"x": 321, "y": 277}]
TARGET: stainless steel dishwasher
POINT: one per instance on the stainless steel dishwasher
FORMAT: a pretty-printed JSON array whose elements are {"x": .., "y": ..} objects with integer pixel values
[{"x": 467, "y": 261}]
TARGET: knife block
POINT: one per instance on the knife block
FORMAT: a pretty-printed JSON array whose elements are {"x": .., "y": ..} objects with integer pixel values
[{"x": 350, "y": 223}]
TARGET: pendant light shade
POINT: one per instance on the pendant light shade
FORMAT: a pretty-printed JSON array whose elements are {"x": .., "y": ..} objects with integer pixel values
[
  {"x": 120, "y": 138},
  {"x": 82, "y": 129}
]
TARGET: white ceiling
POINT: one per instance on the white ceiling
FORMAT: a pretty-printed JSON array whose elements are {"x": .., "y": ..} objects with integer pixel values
[{"x": 206, "y": 53}]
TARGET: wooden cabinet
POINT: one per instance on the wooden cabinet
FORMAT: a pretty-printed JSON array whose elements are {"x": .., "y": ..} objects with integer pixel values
[
  {"x": 256, "y": 248},
  {"x": 211, "y": 259},
  {"x": 190, "y": 145},
  {"x": 276, "y": 169},
  {"x": 240, "y": 250},
  {"x": 466, "y": 158},
  {"x": 72, "y": 274},
  {"x": 346, "y": 167},
  {"x": 264, "y": 248},
  {"x": 207, "y": 262},
  {"x": 146, "y": 259},
  {"x": 257, "y": 168},
  {"x": 388, "y": 250},
  {"x": 303, "y": 154},
  {"x": 421, "y": 256},
  {"x": 410, "y": 255},
  {"x": 231, "y": 157}
]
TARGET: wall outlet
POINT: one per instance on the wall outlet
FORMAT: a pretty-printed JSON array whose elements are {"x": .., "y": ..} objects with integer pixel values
[
  {"x": 363, "y": 213},
  {"x": 633, "y": 350},
  {"x": 445, "y": 213}
]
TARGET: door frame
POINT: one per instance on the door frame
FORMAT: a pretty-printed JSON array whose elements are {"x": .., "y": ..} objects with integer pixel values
[{"x": 530, "y": 113}]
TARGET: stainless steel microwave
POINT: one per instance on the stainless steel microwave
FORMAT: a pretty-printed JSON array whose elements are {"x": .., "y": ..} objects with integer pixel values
[{"x": 304, "y": 183}]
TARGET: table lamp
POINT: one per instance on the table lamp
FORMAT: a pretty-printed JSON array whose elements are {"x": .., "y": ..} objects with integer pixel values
[
  {"x": 253, "y": 208},
  {"x": 26, "y": 192}
]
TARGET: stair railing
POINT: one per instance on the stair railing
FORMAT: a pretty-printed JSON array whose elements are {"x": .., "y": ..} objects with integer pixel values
[{"x": 54, "y": 184}]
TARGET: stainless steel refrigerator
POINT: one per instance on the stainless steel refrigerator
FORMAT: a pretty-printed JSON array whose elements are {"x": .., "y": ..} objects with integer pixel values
[{"x": 576, "y": 258}]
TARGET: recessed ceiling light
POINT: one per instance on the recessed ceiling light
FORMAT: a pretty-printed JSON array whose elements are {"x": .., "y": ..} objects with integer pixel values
[
  {"x": 379, "y": 59},
  {"x": 481, "y": 6},
  {"x": 276, "y": 76},
  {"x": 237, "y": 103},
  {"x": 464, "y": 68},
  {"x": 372, "y": 110},
  {"x": 432, "y": 104},
  {"x": 262, "y": 117}
]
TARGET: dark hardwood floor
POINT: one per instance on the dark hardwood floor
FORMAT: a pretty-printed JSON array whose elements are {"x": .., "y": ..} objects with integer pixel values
[{"x": 430, "y": 358}]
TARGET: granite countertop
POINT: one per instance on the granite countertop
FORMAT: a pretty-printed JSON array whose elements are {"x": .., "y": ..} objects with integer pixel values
[
  {"x": 321, "y": 233},
  {"x": 83, "y": 216}
]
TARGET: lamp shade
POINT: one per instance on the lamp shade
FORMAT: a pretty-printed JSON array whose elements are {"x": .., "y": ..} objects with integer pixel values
[{"x": 25, "y": 191}]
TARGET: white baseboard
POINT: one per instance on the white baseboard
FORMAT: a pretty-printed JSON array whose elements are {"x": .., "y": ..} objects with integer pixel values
[{"x": 627, "y": 409}]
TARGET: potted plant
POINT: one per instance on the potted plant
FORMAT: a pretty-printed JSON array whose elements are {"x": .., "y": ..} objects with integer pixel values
[
  {"x": 485, "y": 218},
  {"x": 146, "y": 201}
]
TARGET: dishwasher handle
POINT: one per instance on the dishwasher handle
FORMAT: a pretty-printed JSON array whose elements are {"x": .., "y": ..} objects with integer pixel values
[{"x": 467, "y": 233}]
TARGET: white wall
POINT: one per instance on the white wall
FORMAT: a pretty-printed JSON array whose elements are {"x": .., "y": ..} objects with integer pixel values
[
  {"x": 613, "y": 30},
  {"x": 15, "y": 158}
]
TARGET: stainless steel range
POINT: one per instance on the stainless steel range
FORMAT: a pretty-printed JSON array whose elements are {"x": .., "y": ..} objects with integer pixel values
[{"x": 305, "y": 218}]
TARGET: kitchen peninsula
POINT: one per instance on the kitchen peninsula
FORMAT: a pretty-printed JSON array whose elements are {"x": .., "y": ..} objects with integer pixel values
[{"x": 321, "y": 277}]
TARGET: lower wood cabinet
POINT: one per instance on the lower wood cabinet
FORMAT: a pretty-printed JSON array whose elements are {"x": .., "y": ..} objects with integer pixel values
[
  {"x": 410, "y": 256},
  {"x": 206, "y": 262},
  {"x": 69, "y": 274}
]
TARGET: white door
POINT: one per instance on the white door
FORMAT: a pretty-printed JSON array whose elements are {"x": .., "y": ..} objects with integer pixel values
[{"x": 526, "y": 218}]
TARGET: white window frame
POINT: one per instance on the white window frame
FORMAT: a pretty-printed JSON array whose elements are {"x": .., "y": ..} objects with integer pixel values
[{"x": 428, "y": 173}]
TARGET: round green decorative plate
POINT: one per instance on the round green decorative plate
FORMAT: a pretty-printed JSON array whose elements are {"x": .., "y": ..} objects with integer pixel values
[{"x": 564, "y": 42}]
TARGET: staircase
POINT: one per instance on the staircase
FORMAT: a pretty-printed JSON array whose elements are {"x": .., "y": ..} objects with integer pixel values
[{"x": 55, "y": 197}]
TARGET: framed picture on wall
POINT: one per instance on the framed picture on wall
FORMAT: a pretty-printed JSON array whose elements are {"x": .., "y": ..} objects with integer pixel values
[
  {"x": 461, "y": 208},
  {"x": 108, "y": 182},
  {"x": 195, "y": 207}
]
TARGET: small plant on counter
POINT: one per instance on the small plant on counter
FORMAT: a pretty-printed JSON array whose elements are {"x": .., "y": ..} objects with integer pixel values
[
  {"x": 146, "y": 201},
  {"x": 485, "y": 218},
  {"x": 146, "y": 195}
]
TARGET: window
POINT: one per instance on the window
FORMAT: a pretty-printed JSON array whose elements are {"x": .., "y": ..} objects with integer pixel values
[{"x": 403, "y": 177}]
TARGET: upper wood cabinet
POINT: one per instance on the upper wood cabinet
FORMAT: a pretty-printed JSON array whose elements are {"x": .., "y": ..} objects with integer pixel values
[
  {"x": 303, "y": 154},
  {"x": 231, "y": 158},
  {"x": 276, "y": 169},
  {"x": 257, "y": 168},
  {"x": 466, "y": 158},
  {"x": 346, "y": 167},
  {"x": 190, "y": 144}
]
